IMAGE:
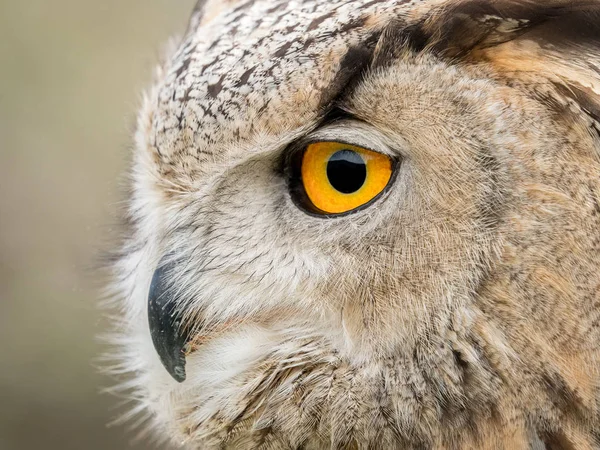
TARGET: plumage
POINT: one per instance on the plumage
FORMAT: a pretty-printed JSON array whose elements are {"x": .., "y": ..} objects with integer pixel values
[{"x": 458, "y": 309}]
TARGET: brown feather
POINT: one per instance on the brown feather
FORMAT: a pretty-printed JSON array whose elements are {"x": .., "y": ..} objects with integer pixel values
[{"x": 551, "y": 47}]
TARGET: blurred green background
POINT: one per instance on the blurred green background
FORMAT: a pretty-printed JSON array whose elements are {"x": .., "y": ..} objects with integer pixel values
[{"x": 71, "y": 74}]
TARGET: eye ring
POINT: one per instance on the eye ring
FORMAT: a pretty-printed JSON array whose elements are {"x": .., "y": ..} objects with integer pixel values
[{"x": 333, "y": 179}]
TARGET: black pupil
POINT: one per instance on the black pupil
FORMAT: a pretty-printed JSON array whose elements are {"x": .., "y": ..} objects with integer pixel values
[{"x": 346, "y": 171}]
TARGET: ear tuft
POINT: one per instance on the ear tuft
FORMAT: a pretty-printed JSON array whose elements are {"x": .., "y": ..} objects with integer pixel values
[{"x": 553, "y": 45}]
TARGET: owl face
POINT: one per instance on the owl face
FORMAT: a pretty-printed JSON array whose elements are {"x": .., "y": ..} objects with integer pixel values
[{"x": 355, "y": 224}]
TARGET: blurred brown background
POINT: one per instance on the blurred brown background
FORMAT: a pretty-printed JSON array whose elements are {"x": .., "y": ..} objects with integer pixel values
[{"x": 71, "y": 74}]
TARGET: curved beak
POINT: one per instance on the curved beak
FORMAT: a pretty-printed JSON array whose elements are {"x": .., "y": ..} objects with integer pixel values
[{"x": 165, "y": 322}]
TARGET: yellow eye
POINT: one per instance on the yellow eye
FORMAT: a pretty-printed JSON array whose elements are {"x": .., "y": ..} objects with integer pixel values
[{"x": 338, "y": 177}]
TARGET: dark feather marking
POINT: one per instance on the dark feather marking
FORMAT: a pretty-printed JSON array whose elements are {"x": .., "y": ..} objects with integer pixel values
[
  {"x": 215, "y": 89},
  {"x": 585, "y": 97},
  {"x": 472, "y": 23},
  {"x": 354, "y": 63},
  {"x": 186, "y": 64},
  {"x": 282, "y": 51},
  {"x": 319, "y": 20},
  {"x": 243, "y": 6},
  {"x": 568, "y": 37},
  {"x": 199, "y": 8},
  {"x": 395, "y": 40},
  {"x": 556, "y": 441},
  {"x": 196, "y": 16},
  {"x": 246, "y": 76},
  {"x": 277, "y": 7}
]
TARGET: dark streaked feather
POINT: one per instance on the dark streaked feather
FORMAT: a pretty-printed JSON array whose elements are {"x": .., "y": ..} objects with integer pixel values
[{"x": 197, "y": 15}]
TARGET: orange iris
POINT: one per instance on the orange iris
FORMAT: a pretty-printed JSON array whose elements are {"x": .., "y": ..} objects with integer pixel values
[{"x": 339, "y": 177}]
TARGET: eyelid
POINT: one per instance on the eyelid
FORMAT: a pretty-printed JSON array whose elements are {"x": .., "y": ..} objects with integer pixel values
[{"x": 351, "y": 132}]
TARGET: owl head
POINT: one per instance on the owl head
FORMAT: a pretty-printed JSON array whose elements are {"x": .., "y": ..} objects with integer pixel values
[{"x": 369, "y": 224}]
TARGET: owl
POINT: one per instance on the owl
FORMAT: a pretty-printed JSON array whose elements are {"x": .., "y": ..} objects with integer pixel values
[{"x": 368, "y": 224}]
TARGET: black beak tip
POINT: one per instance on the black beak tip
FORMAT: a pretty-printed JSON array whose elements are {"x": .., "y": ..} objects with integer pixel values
[
  {"x": 176, "y": 368},
  {"x": 165, "y": 325},
  {"x": 170, "y": 352}
]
